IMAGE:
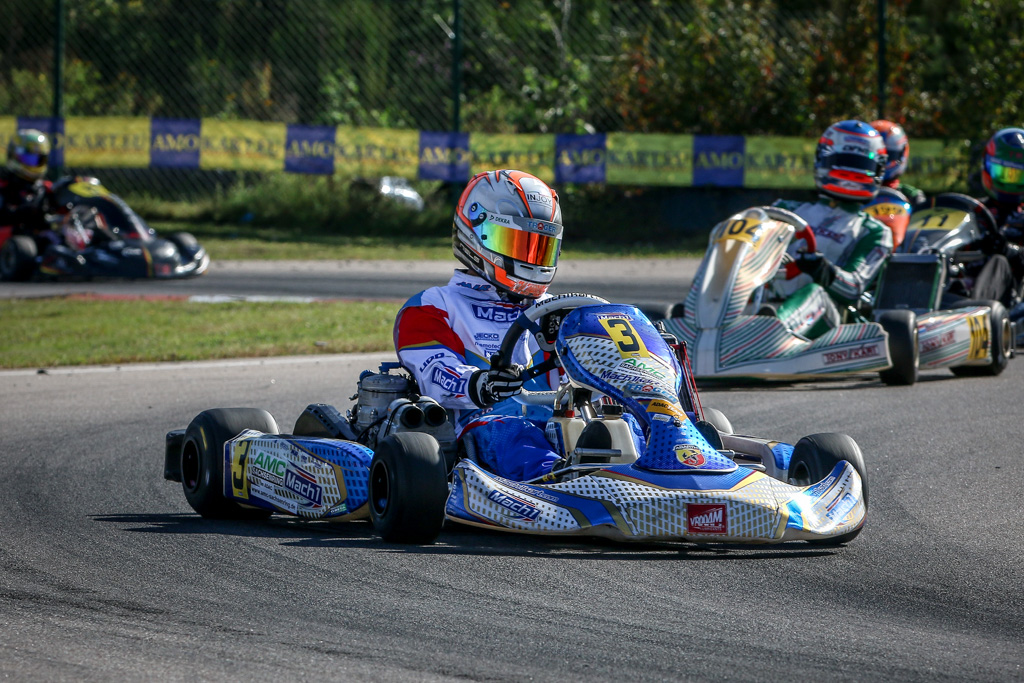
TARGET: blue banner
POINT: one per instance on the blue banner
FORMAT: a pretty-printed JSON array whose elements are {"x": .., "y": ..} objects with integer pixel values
[
  {"x": 54, "y": 129},
  {"x": 718, "y": 160},
  {"x": 444, "y": 156},
  {"x": 580, "y": 158},
  {"x": 175, "y": 143},
  {"x": 309, "y": 149}
]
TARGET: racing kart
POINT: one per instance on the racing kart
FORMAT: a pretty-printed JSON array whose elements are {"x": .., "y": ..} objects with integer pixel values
[
  {"x": 721, "y": 318},
  {"x": 932, "y": 272},
  {"x": 393, "y": 457},
  {"x": 95, "y": 234}
]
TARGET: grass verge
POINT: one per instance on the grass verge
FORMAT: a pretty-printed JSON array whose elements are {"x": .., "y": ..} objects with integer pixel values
[{"x": 79, "y": 331}]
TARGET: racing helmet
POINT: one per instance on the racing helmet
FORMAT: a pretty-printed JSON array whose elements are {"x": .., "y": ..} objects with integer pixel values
[
  {"x": 1002, "y": 166},
  {"x": 897, "y": 147},
  {"x": 850, "y": 161},
  {"x": 508, "y": 230},
  {"x": 28, "y": 153}
]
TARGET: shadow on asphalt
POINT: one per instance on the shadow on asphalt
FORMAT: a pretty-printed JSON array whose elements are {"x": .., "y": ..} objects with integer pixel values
[{"x": 454, "y": 540}]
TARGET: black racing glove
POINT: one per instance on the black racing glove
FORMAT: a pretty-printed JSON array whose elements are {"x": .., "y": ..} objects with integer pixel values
[
  {"x": 487, "y": 387},
  {"x": 817, "y": 266}
]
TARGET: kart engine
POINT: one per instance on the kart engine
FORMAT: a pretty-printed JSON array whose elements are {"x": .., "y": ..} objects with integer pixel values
[{"x": 388, "y": 404}]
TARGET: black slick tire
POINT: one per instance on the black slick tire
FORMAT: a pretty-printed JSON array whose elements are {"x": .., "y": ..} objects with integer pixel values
[
  {"x": 408, "y": 488},
  {"x": 901, "y": 327},
  {"x": 202, "y": 459},
  {"x": 815, "y": 456},
  {"x": 18, "y": 259}
]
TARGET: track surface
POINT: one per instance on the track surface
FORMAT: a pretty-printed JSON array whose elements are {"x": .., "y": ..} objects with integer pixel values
[
  {"x": 105, "y": 573},
  {"x": 655, "y": 280}
]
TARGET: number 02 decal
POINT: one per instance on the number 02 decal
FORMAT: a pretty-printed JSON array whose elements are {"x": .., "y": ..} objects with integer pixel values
[
  {"x": 742, "y": 229},
  {"x": 626, "y": 338}
]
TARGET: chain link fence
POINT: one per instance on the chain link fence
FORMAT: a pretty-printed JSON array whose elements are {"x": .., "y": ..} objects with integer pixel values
[{"x": 788, "y": 67}]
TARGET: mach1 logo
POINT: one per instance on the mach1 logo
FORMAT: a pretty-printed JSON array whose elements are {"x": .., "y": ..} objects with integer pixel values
[
  {"x": 496, "y": 312},
  {"x": 515, "y": 508},
  {"x": 706, "y": 518},
  {"x": 846, "y": 355}
]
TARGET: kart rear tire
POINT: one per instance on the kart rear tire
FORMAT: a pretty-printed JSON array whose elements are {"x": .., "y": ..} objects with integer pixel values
[
  {"x": 18, "y": 258},
  {"x": 1000, "y": 342},
  {"x": 408, "y": 488},
  {"x": 902, "y": 329},
  {"x": 815, "y": 456},
  {"x": 202, "y": 459}
]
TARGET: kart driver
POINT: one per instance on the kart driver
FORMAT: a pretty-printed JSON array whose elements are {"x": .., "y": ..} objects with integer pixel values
[
  {"x": 1002, "y": 175},
  {"x": 507, "y": 232},
  {"x": 897, "y": 148},
  {"x": 25, "y": 197},
  {"x": 848, "y": 169}
]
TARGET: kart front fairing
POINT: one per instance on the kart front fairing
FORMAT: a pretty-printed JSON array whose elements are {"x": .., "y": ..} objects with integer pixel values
[
  {"x": 726, "y": 338},
  {"x": 680, "y": 488}
]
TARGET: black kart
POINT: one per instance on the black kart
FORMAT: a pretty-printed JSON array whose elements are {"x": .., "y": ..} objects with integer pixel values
[{"x": 95, "y": 234}]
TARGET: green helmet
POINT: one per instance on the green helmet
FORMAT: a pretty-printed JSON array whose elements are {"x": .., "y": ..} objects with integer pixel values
[
  {"x": 27, "y": 154},
  {"x": 1002, "y": 167}
]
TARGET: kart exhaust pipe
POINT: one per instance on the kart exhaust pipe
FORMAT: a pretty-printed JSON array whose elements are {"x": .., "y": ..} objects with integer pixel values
[
  {"x": 411, "y": 417},
  {"x": 433, "y": 414}
]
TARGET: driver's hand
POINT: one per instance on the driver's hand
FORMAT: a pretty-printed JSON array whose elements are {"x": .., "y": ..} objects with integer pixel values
[
  {"x": 487, "y": 387},
  {"x": 817, "y": 266}
]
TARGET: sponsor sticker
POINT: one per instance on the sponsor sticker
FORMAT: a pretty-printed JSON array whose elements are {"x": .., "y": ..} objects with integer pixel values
[
  {"x": 496, "y": 312},
  {"x": 514, "y": 508},
  {"x": 448, "y": 381},
  {"x": 690, "y": 456},
  {"x": 933, "y": 343},
  {"x": 847, "y": 355},
  {"x": 706, "y": 518}
]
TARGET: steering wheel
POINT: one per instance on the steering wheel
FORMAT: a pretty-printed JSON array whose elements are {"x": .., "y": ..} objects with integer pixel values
[
  {"x": 803, "y": 232},
  {"x": 963, "y": 202},
  {"x": 543, "y": 319}
]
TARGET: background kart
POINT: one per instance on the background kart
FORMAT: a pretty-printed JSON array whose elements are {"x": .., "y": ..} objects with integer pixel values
[
  {"x": 728, "y": 339},
  {"x": 97, "y": 235},
  {"x": 695, "y": 481},
  {"x": 931, "y": 272}
]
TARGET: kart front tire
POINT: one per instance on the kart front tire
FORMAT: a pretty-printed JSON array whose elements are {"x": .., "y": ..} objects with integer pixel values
[
  {"x": 815, "y": 456},
  {"x": 1000, "y": 341},
  {"x": 18, "y": 259},
  {"x": 714, "y": 424},
  {"x": 901, "y": 327},
  {"x": 408, "y": 488},
  {"x": 186, "y": 243},
  {"x": 202, "y": 459}
]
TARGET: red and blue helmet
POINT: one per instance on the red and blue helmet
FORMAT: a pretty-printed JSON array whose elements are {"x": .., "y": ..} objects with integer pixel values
[
  {"x": 1002, "y": 167},
  {"x": 897, "y": 148},
  {"x": 850, "y": 161}
]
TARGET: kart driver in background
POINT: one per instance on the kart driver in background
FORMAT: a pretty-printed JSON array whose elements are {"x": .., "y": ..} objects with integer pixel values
[
  {"x": 848, "y": 168},
  {"x": 25, "y": 197},
  {"x": 897, "y": 148},
  {"x": 507, "y": 232}
]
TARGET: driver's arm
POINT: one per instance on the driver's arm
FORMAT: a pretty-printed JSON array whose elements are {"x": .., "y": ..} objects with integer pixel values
[
  {"x": 856, "y": 275},
  {"x": 433, "y": 353}
]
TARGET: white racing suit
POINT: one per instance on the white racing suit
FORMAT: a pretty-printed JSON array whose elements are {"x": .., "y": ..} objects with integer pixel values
[
  {"x": 445, "y": 334},
  {"x": 853, "y": 242}
]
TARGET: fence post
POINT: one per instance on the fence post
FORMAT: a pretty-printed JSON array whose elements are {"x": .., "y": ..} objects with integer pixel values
[
  {"x": 881, "y": 59},
  {"x": 454, "y": 190},
  {"x": 58, "y": 72}
]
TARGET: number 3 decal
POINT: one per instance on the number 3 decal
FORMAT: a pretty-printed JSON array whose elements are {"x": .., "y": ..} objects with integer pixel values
[{"x": 625, "y": 336}]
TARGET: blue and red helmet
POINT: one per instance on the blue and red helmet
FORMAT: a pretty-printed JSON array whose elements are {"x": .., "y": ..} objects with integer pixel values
[
  {"x": 1002, "y": 167},
  {"x": 896, "y": 146},
  {"x": 850, "y": 161}
]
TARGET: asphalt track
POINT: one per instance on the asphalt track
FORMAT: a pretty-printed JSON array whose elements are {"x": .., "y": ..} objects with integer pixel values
[
  {"x": 632, "y": 280},
  {"x": 106, "y": 573}
]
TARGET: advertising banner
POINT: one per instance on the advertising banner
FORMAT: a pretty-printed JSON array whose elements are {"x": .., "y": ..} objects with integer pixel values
[
  {"x": 242, "y": 145},
  {"x": 444, "y": 156},
  {"x": 718, "y": 160},
  {"x": 175, "y": 143},
  {"x": 779, "y": 162},
  {"x": 376, "y": 152},
  {"x": 580, "y": 158},
  {"x": 109, "y": 141},
  {"x": 530, "y": 153},
  {"x": 309, "y": 149},
  {"x": 649, "y": 159}
]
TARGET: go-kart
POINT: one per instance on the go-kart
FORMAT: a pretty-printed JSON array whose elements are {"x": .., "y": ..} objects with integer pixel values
[
  {"x": 721, "y": 323},
  {"x": 931, "y": 273},
  {"x": 393, "y": 457},
  {"x": 95, "y": 234}
]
